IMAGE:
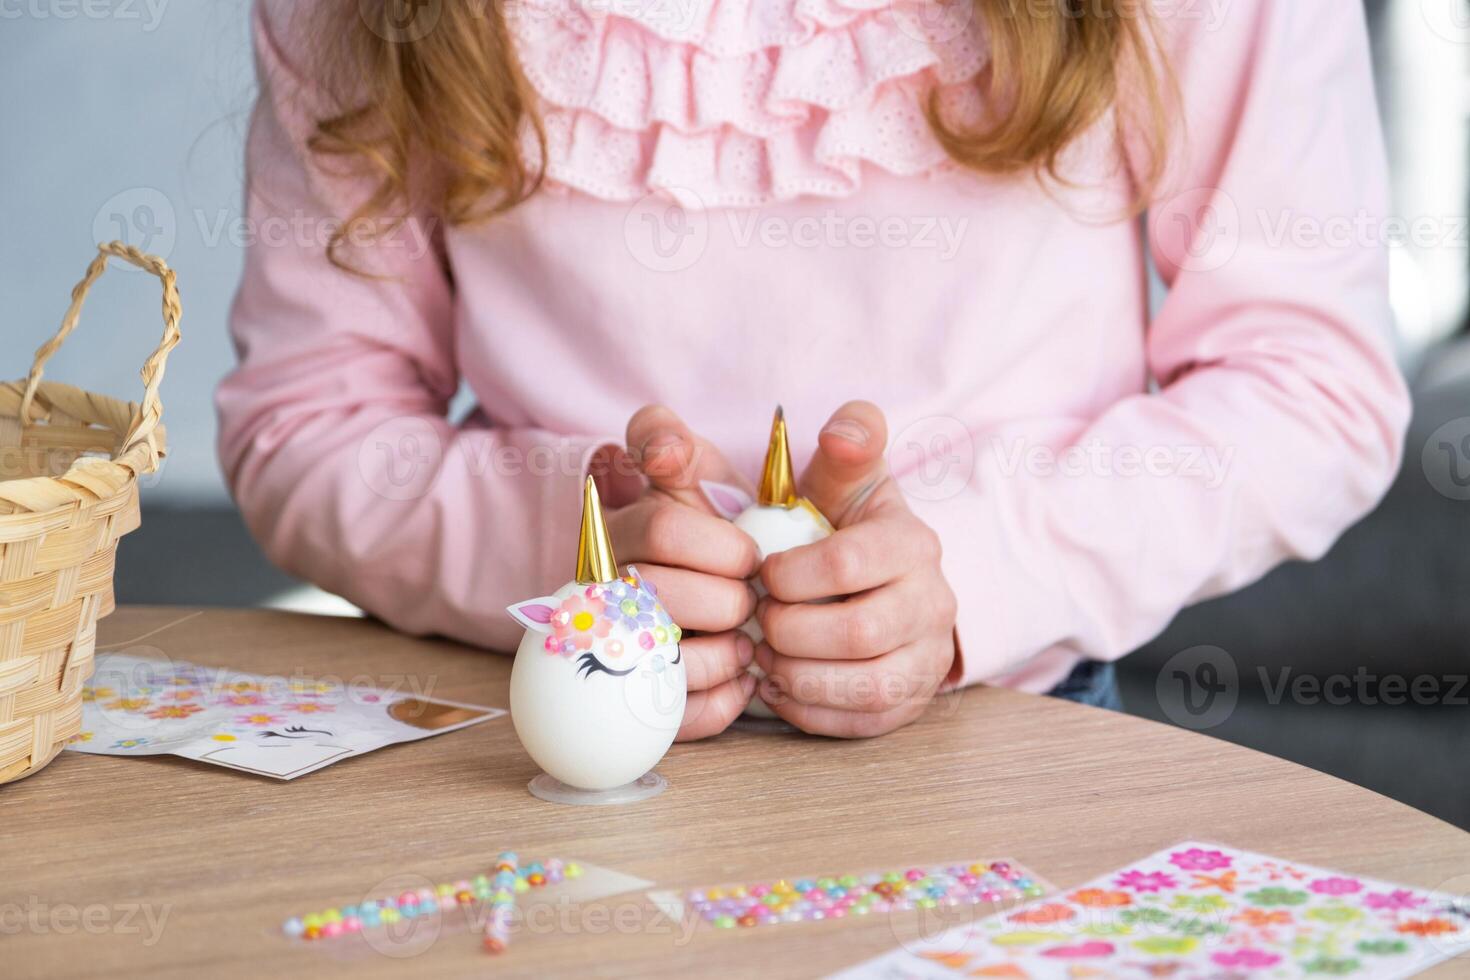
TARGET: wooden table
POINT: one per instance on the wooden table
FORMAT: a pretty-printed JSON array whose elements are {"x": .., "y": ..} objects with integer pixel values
[{"x": 1070, "y": 791}]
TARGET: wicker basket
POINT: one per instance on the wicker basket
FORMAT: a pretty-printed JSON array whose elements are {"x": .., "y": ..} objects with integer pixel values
[{"x": 69, "y": 466}]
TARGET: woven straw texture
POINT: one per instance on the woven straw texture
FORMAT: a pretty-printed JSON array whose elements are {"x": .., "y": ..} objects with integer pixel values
[{"x": 69, "y": 466}]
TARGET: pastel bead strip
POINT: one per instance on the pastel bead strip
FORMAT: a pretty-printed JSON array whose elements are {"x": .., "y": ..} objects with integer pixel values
[
  {"x": 376, "y": 913},
  {"x": 839, "y": 896}
]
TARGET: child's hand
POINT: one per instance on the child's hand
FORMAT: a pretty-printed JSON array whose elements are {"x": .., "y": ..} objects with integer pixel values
[
  {"x": 698, "y": 561},
  {"x": 870, "y": 663}
]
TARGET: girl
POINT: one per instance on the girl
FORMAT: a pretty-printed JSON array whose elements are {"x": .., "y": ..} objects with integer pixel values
[{"x": 574, "y": 208}]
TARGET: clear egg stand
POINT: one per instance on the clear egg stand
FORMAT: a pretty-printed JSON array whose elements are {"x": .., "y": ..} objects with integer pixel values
[{"x": 547, "y": 787}]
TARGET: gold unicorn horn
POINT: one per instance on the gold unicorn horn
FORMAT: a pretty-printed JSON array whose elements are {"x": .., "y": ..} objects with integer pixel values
[
  {"x": 595, "y": 561},
  {"x": 778, "y": 485}
]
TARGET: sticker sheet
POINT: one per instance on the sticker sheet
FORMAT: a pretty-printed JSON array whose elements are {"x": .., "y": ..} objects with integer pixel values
[
  {"x": 282, "y": 727},
  {"x": 1197, "y": 911}
]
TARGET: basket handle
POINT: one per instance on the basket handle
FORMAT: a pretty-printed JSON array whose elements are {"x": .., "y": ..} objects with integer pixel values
[{"x": 145, "y": 421}]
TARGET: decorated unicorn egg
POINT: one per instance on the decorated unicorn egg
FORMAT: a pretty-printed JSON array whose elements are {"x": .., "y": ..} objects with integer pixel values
[
  {"x": 778, "y": 520},
  {"x": 597, "y": 689}
]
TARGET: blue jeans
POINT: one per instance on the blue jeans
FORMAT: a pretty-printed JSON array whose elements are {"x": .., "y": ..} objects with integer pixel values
[{"x": 1091, "y": 683}]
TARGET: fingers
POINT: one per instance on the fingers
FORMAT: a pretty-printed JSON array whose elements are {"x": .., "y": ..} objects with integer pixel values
[
  {"x": 657, "y": 532},
  {"x": 856, "y": 558},
  {"x": 837, "y": 723},
  {"x": 849, "y": 461},
  {"x": 910, "y": 673},
  {"x": 619, "y": 482},
  {"x": 710, "y": 712},
  {"x": 710, "y": 661},
  {"x": 674, "y": 459},
  {"x": 696, "y": 601},
  {"x": 862, "y": 627}
]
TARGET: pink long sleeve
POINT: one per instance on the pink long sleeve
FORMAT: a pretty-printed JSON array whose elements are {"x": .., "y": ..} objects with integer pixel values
[
  {"x": 1280, "y": 414},
  {"x": 334, "y": 437},
  {"x": 722, "y": 239}
]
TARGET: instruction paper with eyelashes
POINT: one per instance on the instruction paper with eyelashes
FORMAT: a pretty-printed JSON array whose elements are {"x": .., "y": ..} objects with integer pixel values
[{"x": 282, "y": 727}]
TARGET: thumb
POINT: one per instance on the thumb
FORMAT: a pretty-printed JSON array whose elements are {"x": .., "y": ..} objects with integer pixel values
[
  {"x": 849, "y": 463},
  {"x": 674, "y": 459}
]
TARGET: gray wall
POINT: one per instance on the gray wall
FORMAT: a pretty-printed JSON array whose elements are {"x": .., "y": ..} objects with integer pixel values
[{"x": 125, "y": 119}]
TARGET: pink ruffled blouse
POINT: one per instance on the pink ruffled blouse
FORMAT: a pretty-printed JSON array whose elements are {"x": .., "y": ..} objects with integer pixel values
[{"x": 745, "y": 205}]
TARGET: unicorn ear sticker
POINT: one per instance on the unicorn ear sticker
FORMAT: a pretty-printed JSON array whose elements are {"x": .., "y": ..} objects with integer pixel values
[
  {"x": 598, "y": 688},
  {"x": 535, "y": 614},
  {"x": 728, "y": 501}
]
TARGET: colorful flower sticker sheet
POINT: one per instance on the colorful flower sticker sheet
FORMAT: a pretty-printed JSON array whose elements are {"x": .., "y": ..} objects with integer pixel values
[
  {"x": 281, "y": 727},
  {"x": 1199, "y": 912}
]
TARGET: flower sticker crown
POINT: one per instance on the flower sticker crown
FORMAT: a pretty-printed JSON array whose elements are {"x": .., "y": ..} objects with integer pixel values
[
  {"x": 611, "y": 616},
  {"x": 608, "y": 620}
]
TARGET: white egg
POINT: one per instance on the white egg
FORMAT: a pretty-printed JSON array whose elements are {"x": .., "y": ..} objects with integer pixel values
[
  {"x": 598, "y": 687},
  {"x": 776, "y": 529}
]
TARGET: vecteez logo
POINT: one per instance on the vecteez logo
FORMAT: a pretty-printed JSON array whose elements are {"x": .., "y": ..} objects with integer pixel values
[
  {"x": 1198, "y": 688},
  {"x": 142, "y": 217},
  {"x": 401, "y": 21},
  {"x": 666, "y": 232},
  {"x": 400, "y": 458},
  {"x": 932, "y": 458},
  {"x": 1197, "y": 230},
  {"x": 1445, "y": 459}
]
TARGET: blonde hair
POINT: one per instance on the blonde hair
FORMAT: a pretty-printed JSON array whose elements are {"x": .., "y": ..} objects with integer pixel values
[{"x": 436, "y": 120}]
